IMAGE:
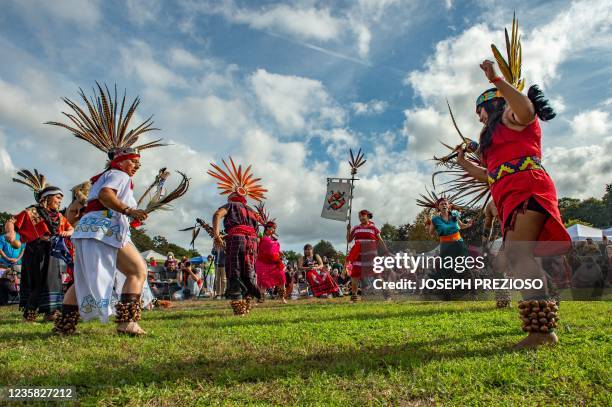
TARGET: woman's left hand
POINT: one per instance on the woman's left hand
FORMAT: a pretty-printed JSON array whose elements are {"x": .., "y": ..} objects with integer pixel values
[
  {"x": 488, "y": 67},
  {"x": 66, "y": 233}
]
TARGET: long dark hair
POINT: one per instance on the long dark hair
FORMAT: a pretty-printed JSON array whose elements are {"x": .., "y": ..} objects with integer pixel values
[{"x": 495, "y": 110}]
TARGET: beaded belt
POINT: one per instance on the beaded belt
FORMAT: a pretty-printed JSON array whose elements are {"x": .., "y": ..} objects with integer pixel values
[{"x": 510, "y": 167}]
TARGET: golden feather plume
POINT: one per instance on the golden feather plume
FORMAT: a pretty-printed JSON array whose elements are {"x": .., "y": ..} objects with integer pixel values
[
  {"x": 511, "y": 68},
  {"x": 233, "y": 179},
  {"x": 35, "y": 181},
  {"x": 101, "y": 125}
]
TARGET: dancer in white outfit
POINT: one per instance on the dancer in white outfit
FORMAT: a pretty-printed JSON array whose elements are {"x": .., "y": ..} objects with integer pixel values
[{"x": 102, "y": 236}]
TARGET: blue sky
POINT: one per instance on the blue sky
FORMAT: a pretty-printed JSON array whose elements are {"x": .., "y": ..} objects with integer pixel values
[{"x": 290, "y": 86}]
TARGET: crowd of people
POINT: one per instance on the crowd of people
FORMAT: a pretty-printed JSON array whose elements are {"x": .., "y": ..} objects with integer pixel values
[{"x": 109, "y": 277}]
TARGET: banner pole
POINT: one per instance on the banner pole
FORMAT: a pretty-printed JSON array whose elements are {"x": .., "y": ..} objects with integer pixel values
[{"x": 355, "y": 162}]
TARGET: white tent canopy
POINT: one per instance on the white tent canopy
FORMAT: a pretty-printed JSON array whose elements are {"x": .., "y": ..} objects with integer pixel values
[
  {"x": 152, "y": 253},
  {"x": 608, "y": 232},
  {"x": 580, "y": 232}
]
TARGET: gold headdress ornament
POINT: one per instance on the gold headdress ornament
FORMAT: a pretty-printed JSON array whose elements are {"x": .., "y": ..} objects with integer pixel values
[
  {"x": 511, "y": 69},
  {"x": 461, "y": 184},
  {"x": 234, "y": 180},
  {"x": 101, "y": 125}
]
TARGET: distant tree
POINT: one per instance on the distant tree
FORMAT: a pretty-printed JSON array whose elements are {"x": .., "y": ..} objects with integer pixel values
[
  {"x": 389, "y": 233},
  {"x": 325, "y": 249},
  {"x": 291, "y": 256},
  {"x": 4, "y": 216},
  {"x": 160, "y": 242},
  {"x": 573, "y": 222},
  {"x": 141, "y": 240},
  {"x": 597, "y": 212}
]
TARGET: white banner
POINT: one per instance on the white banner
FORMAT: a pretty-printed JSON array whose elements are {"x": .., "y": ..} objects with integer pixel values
[{"x": 336, "y": 202}]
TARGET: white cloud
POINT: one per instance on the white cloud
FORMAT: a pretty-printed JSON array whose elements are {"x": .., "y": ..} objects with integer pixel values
[
  {"x": 372, "y": 107},
  {"x": 182, "y": 57},
  {"x": 296, "y": 103},
  {"x": 593, "y": 125},
  {"x": 302, "y": 22},
  {"x": 138, "y": 59},
  {"x": 83, "y": 13},
  {"x": 143, "y": 11},
  {"x": 580, "y": 172}
]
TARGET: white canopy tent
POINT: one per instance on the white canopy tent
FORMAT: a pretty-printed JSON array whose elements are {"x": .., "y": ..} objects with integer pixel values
[
  {"x": 580, "y": 232},
  {"x": 152, "y": 253},
  {"x": 608, "y": 232}
]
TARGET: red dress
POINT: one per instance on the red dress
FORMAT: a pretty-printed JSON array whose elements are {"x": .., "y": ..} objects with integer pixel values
[
  {"x": 269, "y": 266},
  {"x": 513, "y": 190},
  {"x": 361, "y": 256}
]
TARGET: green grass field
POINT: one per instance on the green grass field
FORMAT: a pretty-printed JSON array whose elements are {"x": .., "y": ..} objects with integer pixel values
[{"x": 319, "y": 352}]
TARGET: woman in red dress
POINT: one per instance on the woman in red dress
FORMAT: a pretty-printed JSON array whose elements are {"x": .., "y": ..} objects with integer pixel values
[
  {"x": 361, "y": 256},
  {"x": 269, "y": 267},
  {"x": 320, "y": 281},
  {"x": 523, "y": 192}
]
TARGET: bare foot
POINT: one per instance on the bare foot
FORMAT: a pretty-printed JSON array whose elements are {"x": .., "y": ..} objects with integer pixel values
[
  {"x": 130, "y": 328},
  {"x": 284, "y": 300},
  {"x": 533, "y": 340}
]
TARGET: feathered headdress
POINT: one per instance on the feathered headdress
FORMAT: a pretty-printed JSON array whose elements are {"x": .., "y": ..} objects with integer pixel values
[
  {"x": 511, "y": 68},
  {"x": 235, "y": 181},
  {"x": 105, "y": 123},
  {"x": 37, "y": 182},
  {"x": 264, "y": 215},
  {"x": 431, "y": 200}
]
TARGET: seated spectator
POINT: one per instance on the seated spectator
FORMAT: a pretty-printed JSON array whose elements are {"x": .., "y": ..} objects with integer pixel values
[
  {"x": 319, "y": 279},
  {"x": 171, "y": 264},
  {"x": 152, "y": 262},
  {"x": 589, "y": 248},
  {"x": 10, "y": 263}
]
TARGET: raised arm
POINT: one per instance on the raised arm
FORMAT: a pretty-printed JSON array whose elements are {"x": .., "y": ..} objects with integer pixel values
[{"x": 520, "y": 104}]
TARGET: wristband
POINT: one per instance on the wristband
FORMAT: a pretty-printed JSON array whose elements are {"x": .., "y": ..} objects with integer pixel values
[{"x": 495, "y": 80}]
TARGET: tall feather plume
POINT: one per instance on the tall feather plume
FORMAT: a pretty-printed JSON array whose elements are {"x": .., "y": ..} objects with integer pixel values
[
  {"x": 101, "y": 125},
  {"x": 233, "y": 179},
  {"x": 164, "y": 203},
  {"x": 195, "y": 231},
  {"x": 461, "y": 185},
  {"x": 511, "y": 68},
  {"x": 35, "y": 181}
]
